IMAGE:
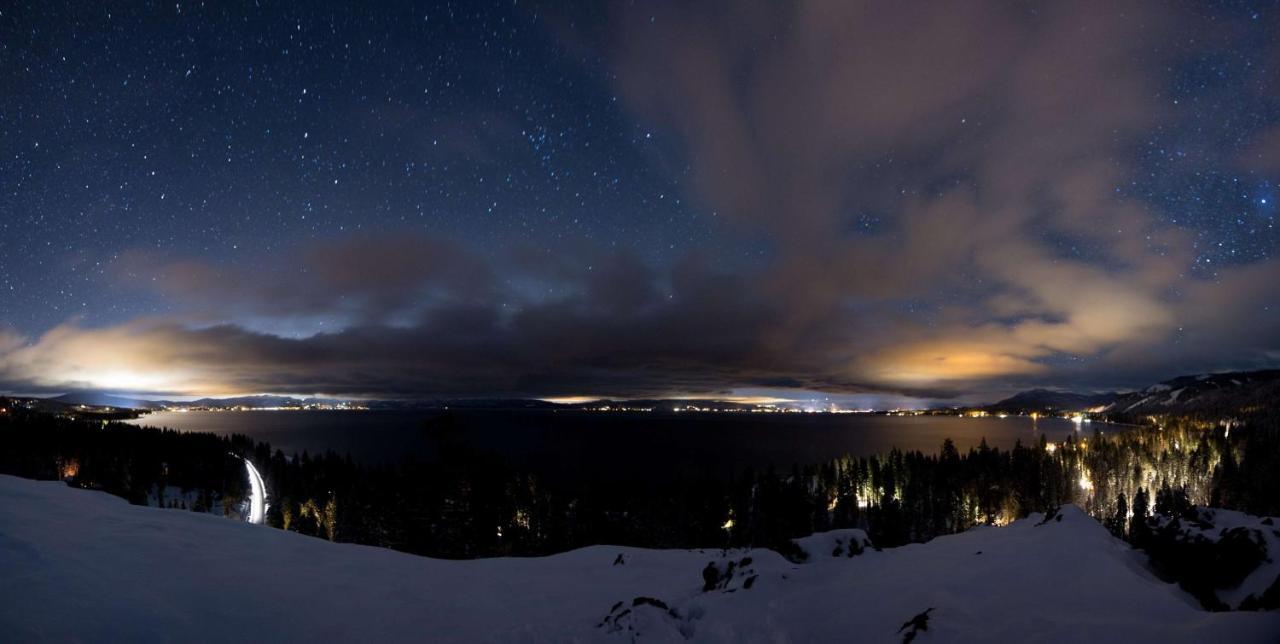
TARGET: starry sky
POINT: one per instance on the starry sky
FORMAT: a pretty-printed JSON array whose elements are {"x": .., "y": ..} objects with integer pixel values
[{"x": 858, "y": 200}]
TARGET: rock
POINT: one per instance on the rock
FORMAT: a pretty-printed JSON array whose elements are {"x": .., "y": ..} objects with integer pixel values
[{"x": 916, "y": 625}]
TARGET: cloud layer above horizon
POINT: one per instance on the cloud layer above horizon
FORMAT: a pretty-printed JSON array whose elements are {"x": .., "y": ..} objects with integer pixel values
[{"x": 904, "y": 199}]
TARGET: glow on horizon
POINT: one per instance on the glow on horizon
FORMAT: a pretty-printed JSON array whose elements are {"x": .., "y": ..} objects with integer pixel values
[
  {"x": 569, "y": 400},
  {"x": 747, "y": 400}
]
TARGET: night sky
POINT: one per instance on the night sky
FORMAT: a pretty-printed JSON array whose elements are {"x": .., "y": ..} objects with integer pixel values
[{"x": 863, "y": 201}]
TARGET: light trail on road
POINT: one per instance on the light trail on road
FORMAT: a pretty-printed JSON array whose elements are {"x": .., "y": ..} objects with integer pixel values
[{"x": 257, "y": 494}]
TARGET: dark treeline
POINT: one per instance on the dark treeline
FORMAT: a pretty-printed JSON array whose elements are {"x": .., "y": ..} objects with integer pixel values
[
  {"x": 136, "y": 464},
  {"x": 1157, "y": 486},
  {"x": 471, "y": 504}
]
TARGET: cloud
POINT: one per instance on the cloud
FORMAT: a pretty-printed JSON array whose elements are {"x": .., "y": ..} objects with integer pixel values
[
  {"x": 623, "y": 328},
  {"x": 983, "y": 141},
  {"x": 980, "y": 132},
  {"x": 432, "y": 321},
  {"x": 363, "y": 279}
]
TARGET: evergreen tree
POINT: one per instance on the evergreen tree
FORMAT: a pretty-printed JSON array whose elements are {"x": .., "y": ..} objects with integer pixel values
[
  {"x": 1138, "y": 524},
  {"x": 1119, "y": 520}
]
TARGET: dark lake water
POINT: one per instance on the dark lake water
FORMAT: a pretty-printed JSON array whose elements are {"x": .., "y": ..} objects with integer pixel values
[{"x": 591, "y": 445}]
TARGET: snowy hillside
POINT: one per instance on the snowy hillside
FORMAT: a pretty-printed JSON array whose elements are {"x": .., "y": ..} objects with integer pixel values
[
  {"x": 80, "y": 565},
  {"x": 1223, "y": 394},
  {"x": 1247, "y": 570}
]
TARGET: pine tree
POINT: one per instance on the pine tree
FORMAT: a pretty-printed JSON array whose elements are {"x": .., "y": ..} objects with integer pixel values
[
  {"x": 1138, "y": 524},
  {"x": 1120, "y": 518}
]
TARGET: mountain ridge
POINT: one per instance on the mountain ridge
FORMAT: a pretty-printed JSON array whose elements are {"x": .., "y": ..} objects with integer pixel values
[{"x": 1223, "y": 394}]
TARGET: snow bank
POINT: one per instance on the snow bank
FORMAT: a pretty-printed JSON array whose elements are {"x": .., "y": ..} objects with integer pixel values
[
  {"x": 836, "y": 543},
  {"x": 1212, "y": 525},
  {"x": 81, "y": 565}
]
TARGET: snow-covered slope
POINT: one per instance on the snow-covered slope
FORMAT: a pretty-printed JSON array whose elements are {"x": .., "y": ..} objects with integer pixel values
[
  {"x": 1221, "y": 394},
  {"x": 80, "y": 565},
  {"x": 1255, "y": 540},
  {"x": 1224, "y": 394},
  {"x": 1259, "y": 530}
]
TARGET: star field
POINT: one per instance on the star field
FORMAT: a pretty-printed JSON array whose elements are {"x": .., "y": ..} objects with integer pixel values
[
  {"x": 518, "y": 198},
  {"x": 196, "y": 128},
  {"x": 1220, "y": 90}
]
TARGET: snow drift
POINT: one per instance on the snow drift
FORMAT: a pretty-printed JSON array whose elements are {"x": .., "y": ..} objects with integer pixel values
[{"x": 81, "y": 565}]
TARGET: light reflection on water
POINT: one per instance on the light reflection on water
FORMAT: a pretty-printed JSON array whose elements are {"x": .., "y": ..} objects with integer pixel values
[{"x": 572, "y": 443}]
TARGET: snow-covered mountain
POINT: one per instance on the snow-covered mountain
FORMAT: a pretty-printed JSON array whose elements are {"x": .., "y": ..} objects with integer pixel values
[
  {"x": 82, "y": 565},
  {"x": 1214, "y": 393},
  {"x": 1217, "y": 393}
]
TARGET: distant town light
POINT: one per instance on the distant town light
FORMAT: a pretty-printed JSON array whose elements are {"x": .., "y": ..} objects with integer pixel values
[{"x": 1085, "y": 483}]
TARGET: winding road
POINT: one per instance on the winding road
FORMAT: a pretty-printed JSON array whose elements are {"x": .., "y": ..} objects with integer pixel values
[{"x": 257, "y": 494}]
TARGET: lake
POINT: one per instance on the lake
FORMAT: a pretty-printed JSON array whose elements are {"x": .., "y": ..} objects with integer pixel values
[{"x": 575, "y": 444}]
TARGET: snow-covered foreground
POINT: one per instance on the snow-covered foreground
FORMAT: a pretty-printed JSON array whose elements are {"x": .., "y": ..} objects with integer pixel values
[{"x": 80, "y": 565}]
